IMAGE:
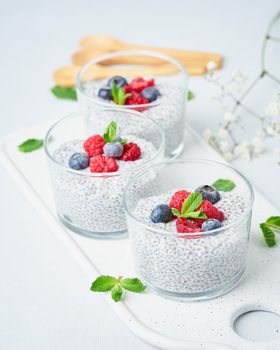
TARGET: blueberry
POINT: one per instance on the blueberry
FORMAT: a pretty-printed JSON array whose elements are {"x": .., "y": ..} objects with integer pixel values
[
  {"x": 119, "y": 81},
  {"x": 105, "y": 93},
  {"x": 113, "y": 149},
  {"x": 78, "y": 161},
  {"x": 161, "y": 213},
  {"x": 211, "y": 224},
  {"x": 150, "y": 93},
  {"x": 209, "y": 193},
  {"x": 118, "y": 139}
]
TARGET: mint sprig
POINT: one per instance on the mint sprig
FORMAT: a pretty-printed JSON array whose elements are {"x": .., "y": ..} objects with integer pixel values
[
  {"x": 269, "y": 228},
  {"x": 189, "y": 206},
  {"x": 64, "y": 93},
  {"x": 30, "y": 145},
  {"x": 116, "y": 286},
  {"x": 190, "y": 95},
  {"x": 119, "y": 95},
  {"x": 224, "y": 185},
  {"x": 110, "y": 132}
]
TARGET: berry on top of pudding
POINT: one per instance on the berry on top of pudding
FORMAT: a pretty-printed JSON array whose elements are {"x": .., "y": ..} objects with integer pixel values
[
  {"x": 191, "y": 210},
  {"x": 102, "y": 152},
  {"x": 136, "y": 92}
]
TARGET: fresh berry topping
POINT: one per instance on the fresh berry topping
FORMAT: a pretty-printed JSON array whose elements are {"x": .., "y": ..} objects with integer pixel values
[
  {"x": 119, "y": 81},
  {"x": 78, "y": 161},
  {"x": 131, "y": 151},
  {"x": 113, "y": 149},
  {"x": 103, "y": 164},
  {"x": 118, "y": 139},
  {"x": 211, "y": 211},
  {"x": 136, "y": 99},
  {"x": 105, "y": 93},
  {"x": 139, "y": 84},
  {"x": 211, "y": 224},
  {"x": 209, "y": 193},
  {"x": 187, "y": 226},
  {"x": 150, "y": 93},
  {"x": 161, "y": 213},
  {"x": 94, "y": 145},
  {"x": 178, "y": 198}
]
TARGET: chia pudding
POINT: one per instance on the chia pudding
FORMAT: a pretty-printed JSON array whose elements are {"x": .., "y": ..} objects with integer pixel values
[
  {"x": 181, "y": 265},
  {"x": 189, "y": 242},
  {"x": 164, "y": 102},
  {"x": 89, "y": 175}
]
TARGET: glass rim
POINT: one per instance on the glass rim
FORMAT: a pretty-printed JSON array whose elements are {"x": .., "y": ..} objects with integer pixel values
[
  {"x": 128, "y": 53},
  {"x": 48, "y": 136},
  {"x": 192, "y": 234}
]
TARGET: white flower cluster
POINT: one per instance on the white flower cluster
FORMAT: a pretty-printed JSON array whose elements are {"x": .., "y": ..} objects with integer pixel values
[{"x": 223, "y": 139}]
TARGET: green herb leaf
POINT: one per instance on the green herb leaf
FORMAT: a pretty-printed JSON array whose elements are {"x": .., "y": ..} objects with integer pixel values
[
  {"x": 224, "y": 185},
  {"x": 191, "y": 203},
  {"x": 110, "y": 132},
  {"x": 124, "y": 141},
  {"x": 268, "y": 235},
  {"x": 103, "y": 284},
  {"x": 116, "y": 292},
  {"x": 118, "y": 94},
  {"x": 195, "y": 215},
  {"x": 190, "y": 95},
  {"x": 133, "y": 285},
  {"x": 274, "y": 222},
  {"x": 30, "y": 145},
  {"x": 65, "y": 93},
  {"x": 175, "y": 212}
]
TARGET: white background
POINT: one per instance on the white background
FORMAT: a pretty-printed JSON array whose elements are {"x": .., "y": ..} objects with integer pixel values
[{"x": 45, "y": 301}]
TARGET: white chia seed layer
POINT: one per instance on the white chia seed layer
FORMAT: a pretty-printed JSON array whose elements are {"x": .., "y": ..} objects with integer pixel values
[
  {"x": 169, "y": 113},
  {"x": 179, "y": 265},
  {"x": 93, "y": 203}
]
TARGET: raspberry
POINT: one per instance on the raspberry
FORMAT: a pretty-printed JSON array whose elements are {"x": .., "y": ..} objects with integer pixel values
[
  {"x": 139, "y": 84},
  {"x": 103, "y": 164},
  {"x": 136, "y": 99},
  {"x": 211, "y": 211},
  {"x": 178, "y": 198},
  {"x": 187, "y": 226},
  {"x": 94, "y": 145},
  {"x": 131, "y": 151}
]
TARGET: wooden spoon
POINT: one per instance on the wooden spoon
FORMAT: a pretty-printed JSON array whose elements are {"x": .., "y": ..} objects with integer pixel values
[
  {"x": 66, "y": 76},
  {"x": 81, "y": 57},
  {"x": 106, "y": 42}
]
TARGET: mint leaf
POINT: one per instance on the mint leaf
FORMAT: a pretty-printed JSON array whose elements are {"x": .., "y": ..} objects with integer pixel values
[
  {"x": 133, "y": 284},
  {"x": 65, "y": 93},
  {"x": 103, "y": 284},
  {"x": 124, "y": 141},
  {"x": 110, "y": 132},
  {"x": 116, "y": 292},
  {"x": 118, "y": 94},
  {"x": 195, "y": 215},
  {"x": 224, "y": 185},
  {"x": 190, "y": 95},
  {"x": 268, "y": 235},
  {"x": 30, "y": 145},
  {"x": 175, "y": 212},
  {"x": 274, "y": 222},
  {"x": 191, "y": 203}
]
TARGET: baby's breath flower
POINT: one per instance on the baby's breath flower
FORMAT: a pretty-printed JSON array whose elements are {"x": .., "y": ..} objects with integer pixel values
[
  {"x": 228, "y": 156},
  {"x": 224, "y": 146},
  {"x": 273, "y": 109},
  {"x": 276, "y": 127},
  {"x": 270, "y": 131},
  {"x": 211, "y": 66},
  {"x": 229, "y": 117},
  {"x": 223, "y": 133}
]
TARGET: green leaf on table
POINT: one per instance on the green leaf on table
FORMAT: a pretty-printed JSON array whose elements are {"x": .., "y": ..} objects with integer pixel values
[
  {"x": 116, "y": 285},
  {"x": 110, "y": 132},
  {"x": 224, "y": 185},
  {"x": 103, "y": 284},
  {"x": 268, "y": 234},
  {"x": 65, "y": 93},
  {"x": 31, "y": 145},
  {"x": 133, "y": 284},
  {"x": 116, "y": 292},
  {"x": 190, "y": 95}
]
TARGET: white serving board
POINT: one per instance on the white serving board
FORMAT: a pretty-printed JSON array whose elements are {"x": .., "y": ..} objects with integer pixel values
[{"x": 162, "y": 322}]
